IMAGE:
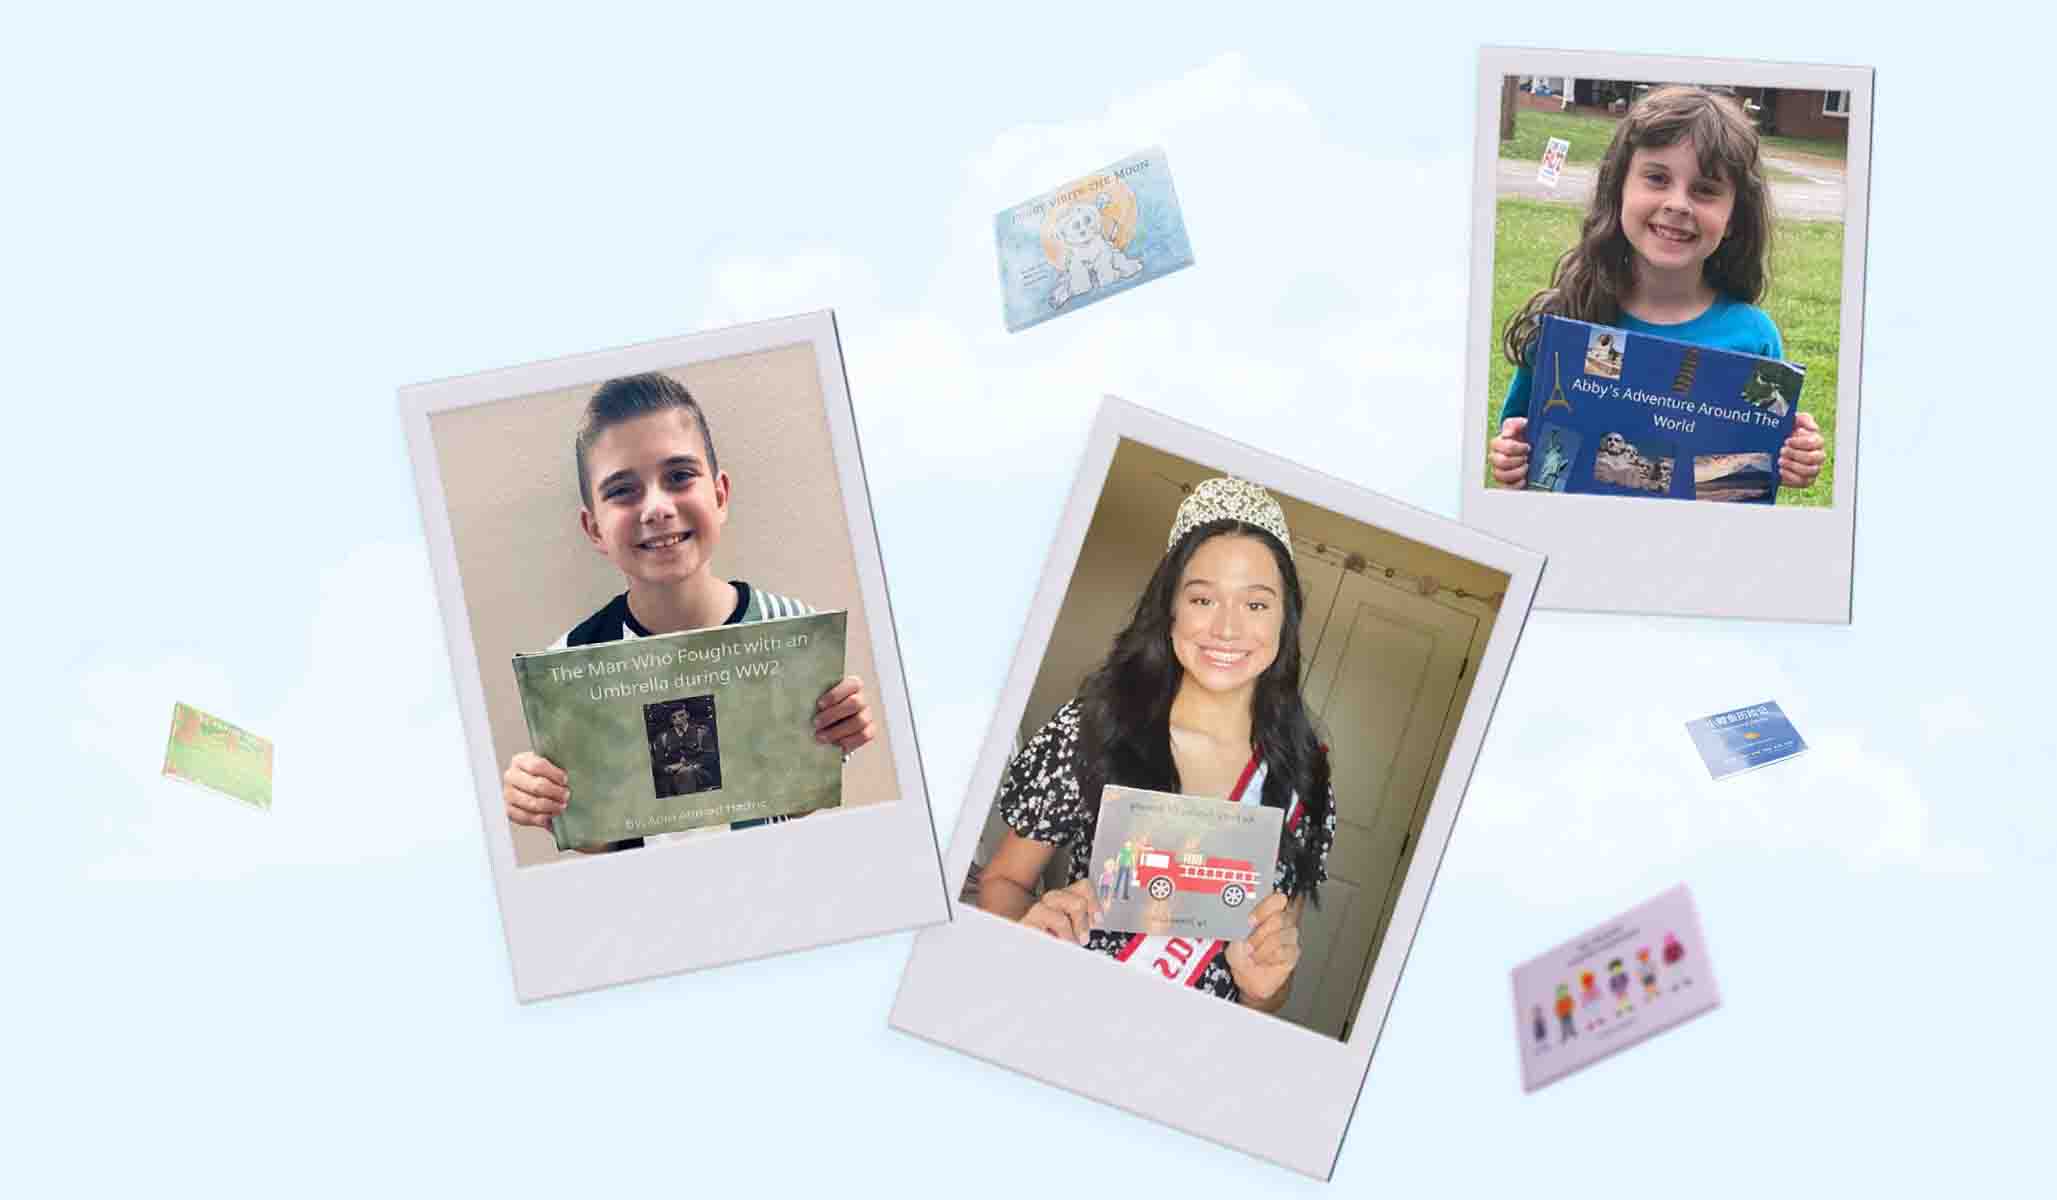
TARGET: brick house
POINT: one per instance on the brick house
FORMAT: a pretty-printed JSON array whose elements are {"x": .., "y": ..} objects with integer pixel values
[{"x": 1807, "y": 112}]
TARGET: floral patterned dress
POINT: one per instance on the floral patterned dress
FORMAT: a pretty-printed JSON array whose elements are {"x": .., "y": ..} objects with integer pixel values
[{"x": 1040, "y": 800}]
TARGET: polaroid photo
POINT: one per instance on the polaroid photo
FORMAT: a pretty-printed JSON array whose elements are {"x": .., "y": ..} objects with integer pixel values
[
  {"x": 1611, "y": 987},
  {"x": 1202, "y": 598},
  {"x": 1743, "y": 256},
  {"x": 582, "y": 516}
]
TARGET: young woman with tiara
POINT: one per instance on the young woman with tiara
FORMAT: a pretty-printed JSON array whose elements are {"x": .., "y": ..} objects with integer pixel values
[
  {"x": 1676, "y": 243},
  {"x": 1200, "y": 695}
]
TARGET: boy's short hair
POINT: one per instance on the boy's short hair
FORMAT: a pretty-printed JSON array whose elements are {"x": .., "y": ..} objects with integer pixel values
[{"x": 624, "y": 399}]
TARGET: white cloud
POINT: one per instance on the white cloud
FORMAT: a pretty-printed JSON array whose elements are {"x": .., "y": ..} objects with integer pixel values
[
  {"x": 120, "y": 727},
  {"x": 1948, "y": 716},
  {"x": 1291, "y": 304},
  {"x": 760, "y": 289},
  {"x": 1589, "y": 770},
  {"x": 370, "y": 756}
]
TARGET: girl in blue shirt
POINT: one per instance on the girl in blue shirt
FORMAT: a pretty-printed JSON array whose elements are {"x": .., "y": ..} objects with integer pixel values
[{"x": 1675, "y": 244}]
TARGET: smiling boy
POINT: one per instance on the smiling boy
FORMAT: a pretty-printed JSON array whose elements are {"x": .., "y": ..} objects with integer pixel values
[{"x": 652, "y": 500}]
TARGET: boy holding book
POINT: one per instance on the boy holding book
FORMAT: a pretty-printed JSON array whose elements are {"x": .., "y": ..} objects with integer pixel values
[{"x": 652, "y": 500}]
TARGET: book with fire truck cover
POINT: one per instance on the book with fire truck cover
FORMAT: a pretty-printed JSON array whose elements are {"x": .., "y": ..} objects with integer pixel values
[{"x": 1191, "y": 866}]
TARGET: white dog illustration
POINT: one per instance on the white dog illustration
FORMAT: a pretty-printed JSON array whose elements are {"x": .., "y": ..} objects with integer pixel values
[{"x": 1090, "y": 259}]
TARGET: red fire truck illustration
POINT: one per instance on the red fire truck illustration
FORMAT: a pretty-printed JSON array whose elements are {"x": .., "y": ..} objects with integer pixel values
[{"x": 1160, "y": 872}]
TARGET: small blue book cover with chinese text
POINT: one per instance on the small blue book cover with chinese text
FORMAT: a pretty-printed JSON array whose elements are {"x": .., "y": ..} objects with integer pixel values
[
  {"x": 1092, "y": 238},
  {"x": 1633, "y": 414},
  {"x": 1744, "y": 739}
]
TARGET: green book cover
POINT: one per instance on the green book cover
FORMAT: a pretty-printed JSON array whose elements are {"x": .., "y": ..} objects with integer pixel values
[
  {"x": 216, "y": 755},
  {"x": 686, "y": 730}
]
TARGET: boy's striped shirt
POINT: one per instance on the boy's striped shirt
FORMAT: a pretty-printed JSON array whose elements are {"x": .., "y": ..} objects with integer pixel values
[{"x": 615, "y": 623}]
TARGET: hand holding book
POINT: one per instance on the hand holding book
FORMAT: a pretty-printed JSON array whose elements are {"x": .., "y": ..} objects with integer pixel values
[
  {"x": 641, "y": 723},
  {"x": 535, "y": 789},
  {"x": 1805, "y": 450},
  {"x": 1068, "y": 912},
  {"x": 842, "y": 716},
  {"x": 1508, "y": 453},
  {"x": 1800, "y": 457},
  {"x": 1262, "y": 963}
]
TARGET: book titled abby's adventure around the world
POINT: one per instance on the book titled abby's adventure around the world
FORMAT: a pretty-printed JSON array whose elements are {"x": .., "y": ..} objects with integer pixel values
[
  {"x": 1191, "y": 866},
  {"x": 686, "y": 730},
  {"x": 1632, "y": 414}
]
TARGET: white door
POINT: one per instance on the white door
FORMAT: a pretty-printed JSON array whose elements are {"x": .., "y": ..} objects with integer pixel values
[{"x": 1382, "y": 677}]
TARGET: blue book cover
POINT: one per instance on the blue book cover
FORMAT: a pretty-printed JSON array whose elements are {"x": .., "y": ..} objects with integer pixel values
[
  {"x": 1092, "y": 238},
  {"x": 1745, "y": 739},
  {"x": 1631, "y": 414}
]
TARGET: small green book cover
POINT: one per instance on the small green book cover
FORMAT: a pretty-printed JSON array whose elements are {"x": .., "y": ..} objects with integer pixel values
[
  {"x": 216, "y": 755},
  {"x": 686, "y": 730}
]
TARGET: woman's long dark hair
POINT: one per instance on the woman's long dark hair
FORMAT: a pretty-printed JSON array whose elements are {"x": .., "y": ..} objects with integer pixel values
[{"x": 1125, "y": 705}]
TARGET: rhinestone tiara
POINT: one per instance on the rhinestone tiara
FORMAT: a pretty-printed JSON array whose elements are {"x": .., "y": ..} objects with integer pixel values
[{"x": 1227, "y": 498}]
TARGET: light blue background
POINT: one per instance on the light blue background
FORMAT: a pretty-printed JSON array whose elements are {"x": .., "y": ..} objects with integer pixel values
[{"x": 232, "y": 233}]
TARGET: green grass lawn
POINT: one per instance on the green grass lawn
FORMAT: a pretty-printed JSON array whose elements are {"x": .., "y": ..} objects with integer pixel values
[
  {"x": 1804, "y": 301},
  {"x": 1589, "y": 136},
  {"x": 1819, "y": 147}
]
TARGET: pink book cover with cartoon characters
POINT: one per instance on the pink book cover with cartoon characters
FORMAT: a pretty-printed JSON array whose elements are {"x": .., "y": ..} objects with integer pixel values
[{"x": 1623, "y": 981}]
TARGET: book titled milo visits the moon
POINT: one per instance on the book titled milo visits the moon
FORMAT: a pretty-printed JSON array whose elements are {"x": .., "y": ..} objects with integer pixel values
[
  {"x": 686, "y": 730},
  {"x": 1113, "y": 230},
  {"x": 1633, "y": 414},
  {"x": 1189, "y": 866}
]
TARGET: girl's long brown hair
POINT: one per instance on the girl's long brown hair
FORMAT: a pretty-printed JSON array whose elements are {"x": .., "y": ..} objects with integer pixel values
[{"x": 1590, "y": 279}]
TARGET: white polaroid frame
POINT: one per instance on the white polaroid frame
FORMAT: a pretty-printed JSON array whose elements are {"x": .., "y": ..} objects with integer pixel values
[
  {"x": 987, "y": 986},
  {"x": 575, "y": 925},
  {"x": 1617, "y": 554}
]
